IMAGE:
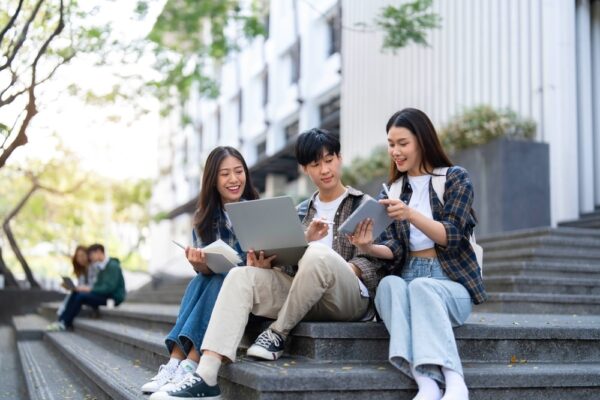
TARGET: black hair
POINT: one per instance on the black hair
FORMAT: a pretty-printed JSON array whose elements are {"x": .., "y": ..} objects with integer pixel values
[
  {"x": 95, "y": 247},
  {"x": 419, "y": 124},
  {"x": 311, "y": 143}
]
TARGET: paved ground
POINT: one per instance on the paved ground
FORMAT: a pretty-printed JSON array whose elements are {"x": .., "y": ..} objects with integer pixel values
[{"x": 11, "y": 382}]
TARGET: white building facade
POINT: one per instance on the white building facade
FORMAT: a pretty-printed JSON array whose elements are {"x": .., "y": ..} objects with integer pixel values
[
  {"x": 540, "y": 58},
  {"x": 320, "y": 66}
]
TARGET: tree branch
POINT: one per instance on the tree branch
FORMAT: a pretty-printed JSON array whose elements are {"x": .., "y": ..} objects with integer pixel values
[
  {"x": 22, "y": 36},
  {"x": 31, "y": 108},
  {"x": 12, "y": 20},
  {"x": 11, "y": 238}
]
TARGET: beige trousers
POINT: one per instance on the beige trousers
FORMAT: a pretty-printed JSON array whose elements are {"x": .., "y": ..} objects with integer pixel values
[{"x": 324, "y": 289}]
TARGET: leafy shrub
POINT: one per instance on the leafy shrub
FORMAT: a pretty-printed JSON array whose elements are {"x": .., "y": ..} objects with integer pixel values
[
  {"x": 482, "y": 124},
  {"x": 364, "y": 170}
]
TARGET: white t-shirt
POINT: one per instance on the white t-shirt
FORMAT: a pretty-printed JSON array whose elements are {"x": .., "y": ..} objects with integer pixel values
[
  {"x": 327, "y": 211},
  {"x": 420, "y": 201}
]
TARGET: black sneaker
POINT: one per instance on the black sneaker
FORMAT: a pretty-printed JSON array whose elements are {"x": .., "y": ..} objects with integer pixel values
[
  {"x": 192, "y": 387},
  {"x": 268, "y": 345}
]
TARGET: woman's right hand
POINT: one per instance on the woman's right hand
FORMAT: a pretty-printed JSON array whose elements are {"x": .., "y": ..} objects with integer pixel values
[{"x": 197, "y": 258}]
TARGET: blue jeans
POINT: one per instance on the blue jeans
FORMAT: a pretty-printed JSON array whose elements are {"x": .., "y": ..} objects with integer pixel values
[
  {"x": 194, "y": 313},
  {"x": 419, "y": 309},
  {"x": 76, "y": 300}
]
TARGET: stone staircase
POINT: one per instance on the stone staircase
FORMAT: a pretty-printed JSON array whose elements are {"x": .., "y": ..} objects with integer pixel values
[
  {"x": 589, "y": 220},
  {"x": 531, "y": 341}
]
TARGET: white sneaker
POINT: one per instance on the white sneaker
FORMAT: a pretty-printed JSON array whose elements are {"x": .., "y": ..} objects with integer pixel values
[
  {"x": 165, "y": 374},
  {"x": 185, "y": 368},
  {"x": 57, "y": 326}
]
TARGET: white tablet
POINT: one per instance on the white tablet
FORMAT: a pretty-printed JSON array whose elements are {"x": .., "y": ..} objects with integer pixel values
[{"x": 369, "y": 208}]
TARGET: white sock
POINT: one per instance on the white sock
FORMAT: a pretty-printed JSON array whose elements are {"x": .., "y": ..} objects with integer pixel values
[
  {"x": 173, "y": 363},
  {"x": 188, "y": 365},
  {"x": 456, "y": 388},
  {"x": 208, "y": 369},
  {"x": 428, "y": 387}
]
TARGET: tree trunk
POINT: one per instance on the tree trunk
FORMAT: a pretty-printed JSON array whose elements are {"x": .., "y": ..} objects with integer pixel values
[
  {"x": 9, "y": 278},
  {"x": 13, "y": 243}
]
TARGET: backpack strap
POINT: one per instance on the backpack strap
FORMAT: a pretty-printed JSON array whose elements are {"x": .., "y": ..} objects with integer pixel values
[{"x": 438, "y": 180}]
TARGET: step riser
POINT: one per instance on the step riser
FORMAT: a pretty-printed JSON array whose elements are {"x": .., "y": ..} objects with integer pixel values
[
  {"x": 555, "y": 244},
  {"x": 148, "y": 356},
  {"x": 567, "y": 259},
  {"x": 235, "y": 392},
  {"x": 470, "y": 350},
  {"x": 155, "y": 326},
  {"x": 538, "y": 288},
  {"x": 549, "y": 273},
  {"x": 538, "y": 308}
]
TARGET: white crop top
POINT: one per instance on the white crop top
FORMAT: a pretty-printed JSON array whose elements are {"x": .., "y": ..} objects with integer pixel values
[{"x": 421, "y": 202}]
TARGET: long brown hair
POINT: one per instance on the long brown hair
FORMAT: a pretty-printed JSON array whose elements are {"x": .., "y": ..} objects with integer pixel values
[
  {"x": 419, "y": 124},
  {"x": 210, "y": 199},
  {"x": 79, "y": 269}
]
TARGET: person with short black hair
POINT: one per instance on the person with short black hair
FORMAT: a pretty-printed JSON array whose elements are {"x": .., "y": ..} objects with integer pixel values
[
  {"x": 109, "y": 284},
  {"x": 332, "y": 281}
]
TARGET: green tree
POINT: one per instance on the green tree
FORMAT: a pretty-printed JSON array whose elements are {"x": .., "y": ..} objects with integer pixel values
[
  {"x": 407, "y": 23},
  {"x": 191, "y": 36}
]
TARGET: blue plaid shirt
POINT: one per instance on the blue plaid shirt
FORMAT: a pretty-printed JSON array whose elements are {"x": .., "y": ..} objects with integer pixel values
[
  {"x": 457, "y": 257},
  {"x": 224, "y": 231}
]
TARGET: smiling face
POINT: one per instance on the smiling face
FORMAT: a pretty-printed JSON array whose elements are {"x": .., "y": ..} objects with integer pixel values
[
  {"x": 325, "y": 172},
  {"x": 231, "y": 180},
  {"x": 404, "y": 150}
]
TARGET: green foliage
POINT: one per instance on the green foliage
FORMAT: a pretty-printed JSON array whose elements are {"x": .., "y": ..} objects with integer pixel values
[
  {"x": 407, "y": 23},
  {"x": 482, "y": 124},
  {"x": 190, "y": 36},
  {"x": 364, "y": 170}
]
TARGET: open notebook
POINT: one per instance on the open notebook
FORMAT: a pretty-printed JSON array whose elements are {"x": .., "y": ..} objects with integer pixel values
[{"x": 220, "y": 257}]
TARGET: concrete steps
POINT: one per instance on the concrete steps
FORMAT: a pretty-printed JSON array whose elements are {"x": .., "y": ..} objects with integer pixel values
[
  {"x": 545, "y": 270},
  {"x": 588, "y": 220},
  {"x": 506, "y": 356}
]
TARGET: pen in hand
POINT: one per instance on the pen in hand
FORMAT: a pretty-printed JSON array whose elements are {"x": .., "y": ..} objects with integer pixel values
[{"x": 178, "y": 244}]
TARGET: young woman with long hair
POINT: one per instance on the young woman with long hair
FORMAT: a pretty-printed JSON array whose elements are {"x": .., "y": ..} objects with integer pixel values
[
  {"x": 226, "y": 179},
  {"x": 435, "y": 276}
]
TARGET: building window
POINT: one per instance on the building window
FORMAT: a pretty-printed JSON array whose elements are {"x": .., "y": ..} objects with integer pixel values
[
  {"x": 240, "y": 107},
  {"x": 265, "y": 87},
  {"x": 334, "y": 29},
  {"x": 261, "y": 149},
  {"x": 218, "y": 123},
  {"x": 200, "y": 137},
  {"x": 266, "y": 22},
  {"x": 295, "y": 62},
  {"x": 291, "y": 131}
]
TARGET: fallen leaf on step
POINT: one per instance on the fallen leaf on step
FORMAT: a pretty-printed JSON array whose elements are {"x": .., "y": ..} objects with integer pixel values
[
  {"x": 346, "y": 368},
  {"x": 513, "y": 359}
]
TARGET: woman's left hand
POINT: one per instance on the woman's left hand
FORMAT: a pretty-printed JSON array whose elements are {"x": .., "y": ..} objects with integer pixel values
[
  {"x": 362, "y": 237},
  {"x": 397, "y": 209}
]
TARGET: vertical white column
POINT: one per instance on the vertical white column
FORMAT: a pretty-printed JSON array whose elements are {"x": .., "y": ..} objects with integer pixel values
[
  {"x": 584, "y": 107},
  {"x": 560, "y": 106},
  {"x": 596, "y": 95}
]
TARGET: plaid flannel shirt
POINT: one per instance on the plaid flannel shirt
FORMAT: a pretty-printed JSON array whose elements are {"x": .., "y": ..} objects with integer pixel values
[
  {"x": 370, "y": 267},
  {"x": 457, "y": 257},
  {"x": 224, "y": 231}
]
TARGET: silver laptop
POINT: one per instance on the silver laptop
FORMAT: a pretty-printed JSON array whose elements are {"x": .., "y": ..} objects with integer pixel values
[{"x": 271, "y": 225}]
